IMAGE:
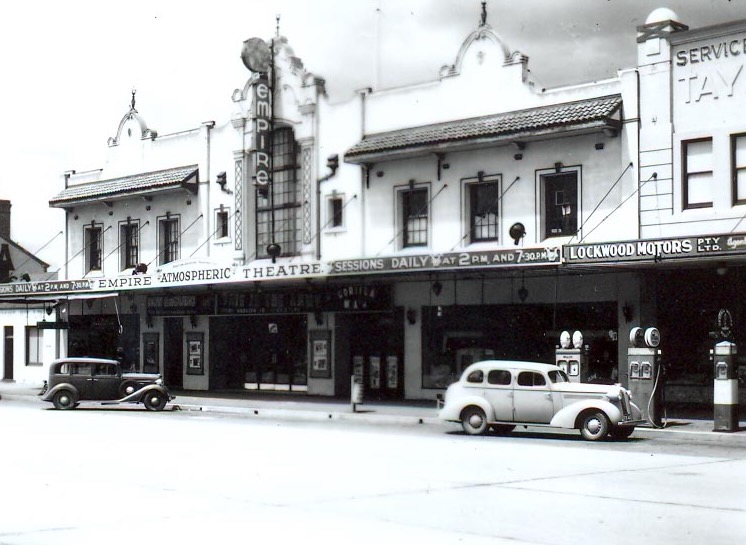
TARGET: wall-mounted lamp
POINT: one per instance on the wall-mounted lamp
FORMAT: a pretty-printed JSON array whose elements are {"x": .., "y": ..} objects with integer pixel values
[
  {"x": 75, "y": 217},
  {"x": 558, "y": 167},
  {"x": 439, "y": 311},
  {"x": 221, "y": 179},
  {"x": 437, "y": 287},
  {"x": 518, "y": 156},
  {"x": 517, "y": 232},
  {"x": 189, "y": 202},
  {"x": 147, "y": 207},
  {"x": 627, "y": 313},
  {"x": 522, "y": 291},
  {"x": 411, "y": 316},
  {"x": 599, "y": 145},
  {"x": 379, "y": 173},
  {"x": 193, "y": 320},
  {"x": 149, "y": 321}
]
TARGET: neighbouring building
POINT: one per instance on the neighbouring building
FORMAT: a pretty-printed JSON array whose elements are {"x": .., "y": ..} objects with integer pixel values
[{"x": 26, "y": 342}]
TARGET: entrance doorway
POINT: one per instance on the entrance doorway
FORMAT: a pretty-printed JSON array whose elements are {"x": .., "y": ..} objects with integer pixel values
[
  {"x": 8, "y": 352},
  {"x": 376, "y": 352},
  {"x": 173, "y": 352},
  {"x": 259, "y": 352}
]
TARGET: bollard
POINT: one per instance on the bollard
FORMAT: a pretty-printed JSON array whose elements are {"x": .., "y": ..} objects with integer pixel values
[
  {"x": 356, "y": 393},
  {"x": 725, "y": 395}
]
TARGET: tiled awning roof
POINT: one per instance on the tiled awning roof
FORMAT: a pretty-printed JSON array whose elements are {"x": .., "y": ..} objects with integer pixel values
[
  {"x": 584, "y": 115},
  {"x": 129, "y": 186}
]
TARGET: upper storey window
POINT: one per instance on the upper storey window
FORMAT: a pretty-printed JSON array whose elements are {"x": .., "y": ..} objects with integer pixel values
[
  {"x": 278, "y": 217},
  {"x": 696, "y": 156},
  {"x": 168, "y": 231},
  {"x": 93, "y": 247},
  {"x": 415, "y": 217},
  {"x": 560, "y": 203},
  {"x": 484, "y": 204},
  {"x": 738, "y": 155}
]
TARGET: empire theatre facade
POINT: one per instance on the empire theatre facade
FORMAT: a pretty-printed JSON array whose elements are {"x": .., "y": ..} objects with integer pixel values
[{"x": 396, "y": 237}]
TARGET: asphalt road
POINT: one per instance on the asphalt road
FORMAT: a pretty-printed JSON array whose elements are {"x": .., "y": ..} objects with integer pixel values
[{"x": 122, "y": 475}]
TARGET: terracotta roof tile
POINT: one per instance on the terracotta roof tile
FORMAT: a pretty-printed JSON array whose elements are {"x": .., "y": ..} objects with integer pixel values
[
  {"x": 515, "y": 124},
  {"x": 129, "y": 185}
]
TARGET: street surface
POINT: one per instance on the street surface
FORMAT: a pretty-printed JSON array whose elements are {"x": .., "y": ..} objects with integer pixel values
[{"x": 123, "y": 475}]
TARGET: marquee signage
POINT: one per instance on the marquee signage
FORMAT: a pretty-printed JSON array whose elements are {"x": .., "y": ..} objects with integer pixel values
[
  {"x": 41, "y": 288},
  {"x": 463, "y": 260},
  {"x": 656, "y": 249}
]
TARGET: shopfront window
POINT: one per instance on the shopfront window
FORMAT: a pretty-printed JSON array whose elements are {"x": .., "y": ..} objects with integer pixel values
[
  {"x": 34, "y": 338},
  {"x": 697, "y": 173}
]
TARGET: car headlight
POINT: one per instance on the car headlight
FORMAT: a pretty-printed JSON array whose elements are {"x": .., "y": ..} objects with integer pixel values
[{"x": 159, "y": 381}]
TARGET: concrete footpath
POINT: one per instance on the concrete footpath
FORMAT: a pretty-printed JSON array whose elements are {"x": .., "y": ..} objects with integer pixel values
[{"x": 683, "y": 427}]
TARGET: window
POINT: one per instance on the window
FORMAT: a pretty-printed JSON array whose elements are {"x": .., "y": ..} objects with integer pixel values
[
  {"x": 34, "y": 345},
  {"x": 221, "y": 224},
  {"x": 414, "y": 217},
  {"x": 169, "y": 240},
  {"x": 484, "y": 202},
  {"x": 560, "y": 194},
  {"x": 696, "y": 156},
  {"x": 738, "y": 151},
  {"x": 499, "y": 376},
  {"x": 93, "y": 247},
  {"x": 129, "y": 244},
  {"x": 278, "y": 216},
  {"x": 529, "y": 378},
  {"x": 336, "y": 217},
  {"x": 476, "y": 377}
]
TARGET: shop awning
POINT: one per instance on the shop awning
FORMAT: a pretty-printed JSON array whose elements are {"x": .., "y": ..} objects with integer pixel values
[
  {"x": 144, "y": 184},
  {"x": 48, "y": 298},
  {"x": 583, "y": 116}
]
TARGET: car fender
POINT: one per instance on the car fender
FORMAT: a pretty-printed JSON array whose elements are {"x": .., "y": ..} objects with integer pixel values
[
  {"x": 452, "y": 412},
  {"x": 49, "y": 396},
  {"x": 567, "y": 416},
  {"x": 139, "y": 395}
]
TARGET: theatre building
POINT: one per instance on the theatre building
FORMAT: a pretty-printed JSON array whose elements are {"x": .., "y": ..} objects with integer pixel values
[{"x": 397, "y": 236}]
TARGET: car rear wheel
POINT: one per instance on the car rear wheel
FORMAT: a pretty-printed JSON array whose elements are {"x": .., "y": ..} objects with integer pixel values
[
  {"x": 594, "y": 426},
  {"x": 622, "y": 432},
  {"x": 154, "y": 401},
  {"x": 474, "y": 421},
  {"x": 63, "y": 400}
]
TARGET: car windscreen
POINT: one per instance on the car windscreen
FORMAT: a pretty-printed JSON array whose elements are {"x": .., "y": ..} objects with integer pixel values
[{"x": 558, "y": 376}]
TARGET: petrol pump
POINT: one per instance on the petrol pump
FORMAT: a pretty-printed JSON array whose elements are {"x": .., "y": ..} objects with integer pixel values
[
  {"x": 725, "y": 395},
  {"x": 572, "y": 357},
  {"x": 645, "y": 370}
]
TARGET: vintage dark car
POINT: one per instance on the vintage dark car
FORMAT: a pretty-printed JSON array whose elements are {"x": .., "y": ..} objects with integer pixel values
[{"x": 99, "y": 380}]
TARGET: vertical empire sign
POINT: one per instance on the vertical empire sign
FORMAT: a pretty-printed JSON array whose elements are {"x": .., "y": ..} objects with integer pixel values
[
  {"x": 263, "y": 133},
  {"x": 259, "y": 58}
]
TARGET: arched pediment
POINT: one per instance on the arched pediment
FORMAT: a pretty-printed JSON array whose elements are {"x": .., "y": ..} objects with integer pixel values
[
  {"x": 483, "y": 33},
  {"x": 125, "y": 125}
]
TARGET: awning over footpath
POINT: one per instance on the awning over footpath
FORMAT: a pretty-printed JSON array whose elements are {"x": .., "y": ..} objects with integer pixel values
[
  {"x": 589, "y": 115},
  {"x": 143, "y": 184}
]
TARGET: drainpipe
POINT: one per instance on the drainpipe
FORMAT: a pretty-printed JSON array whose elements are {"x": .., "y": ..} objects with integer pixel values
[{"x": 209, "y": 125}]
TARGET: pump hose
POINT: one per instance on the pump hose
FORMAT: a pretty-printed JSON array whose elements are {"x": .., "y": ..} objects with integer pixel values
[{"x": 650, "y": 401}]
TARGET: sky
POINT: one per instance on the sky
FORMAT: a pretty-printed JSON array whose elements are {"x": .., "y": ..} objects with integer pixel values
[{"x": 69, "y": 67}]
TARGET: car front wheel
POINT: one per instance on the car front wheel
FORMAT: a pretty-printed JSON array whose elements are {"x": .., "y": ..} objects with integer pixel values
[
  {"x": 474, "y": 421},
  {"x": 594, "y": 426},
  {"x": 63, "y": 400},
  {"x": 154, "y": 401}
]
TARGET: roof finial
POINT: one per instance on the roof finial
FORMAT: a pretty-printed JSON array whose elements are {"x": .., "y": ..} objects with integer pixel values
[
  {"x": 484, "y": 13},
  {"x": 132, "y": 104},
  {"x": 277, "y": 26}
]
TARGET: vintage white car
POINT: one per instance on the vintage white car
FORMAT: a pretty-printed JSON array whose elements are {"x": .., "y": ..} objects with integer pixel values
[{"x": 503, "y": 394}]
